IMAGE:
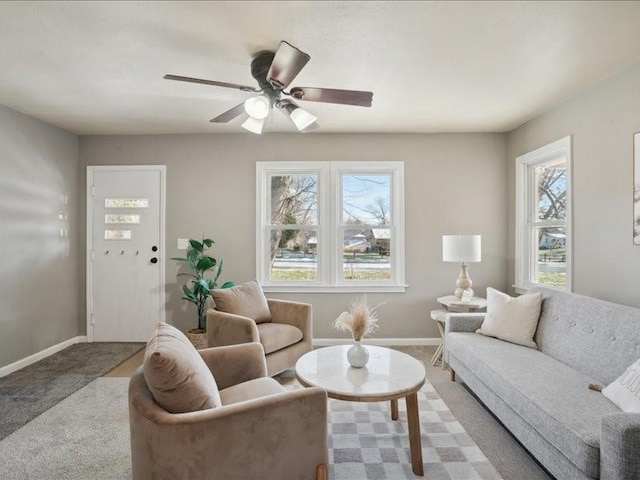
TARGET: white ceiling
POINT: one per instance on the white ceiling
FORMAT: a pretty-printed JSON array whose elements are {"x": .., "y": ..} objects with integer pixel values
[{"x": 97, "y": 67}]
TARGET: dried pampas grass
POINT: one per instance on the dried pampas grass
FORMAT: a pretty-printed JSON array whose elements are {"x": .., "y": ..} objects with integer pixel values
[{"x": 360, "y": 320}]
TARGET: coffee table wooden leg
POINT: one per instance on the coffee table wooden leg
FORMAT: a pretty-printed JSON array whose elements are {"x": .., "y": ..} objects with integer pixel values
[
  {"x": 415, "y": 441},
  {"x": 394, "y": 409}
]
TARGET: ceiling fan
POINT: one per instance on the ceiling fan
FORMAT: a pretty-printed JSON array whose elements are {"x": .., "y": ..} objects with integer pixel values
[{"x": 274, "y": 71}]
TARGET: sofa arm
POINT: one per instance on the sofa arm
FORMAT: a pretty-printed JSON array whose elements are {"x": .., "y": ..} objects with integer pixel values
[
  {"x": 229, "y": 329},
  {"x": 620, "y": 446},
  {"x": 463, "y": 322},
  {"x": 235, "y": 364},
  {"x": 293, "y": 313}
]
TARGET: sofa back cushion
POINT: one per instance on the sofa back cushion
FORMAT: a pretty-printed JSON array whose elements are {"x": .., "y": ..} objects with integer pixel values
[
  {"x": 176, "y": 374},
  {"x": 598, "y": 338},
  {"x": 247, "y": 300}
]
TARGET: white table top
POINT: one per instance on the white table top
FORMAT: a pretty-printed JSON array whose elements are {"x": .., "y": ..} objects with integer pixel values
[
  {"x": 452, "y": 301},
  {"x": 389, "y": 373}
]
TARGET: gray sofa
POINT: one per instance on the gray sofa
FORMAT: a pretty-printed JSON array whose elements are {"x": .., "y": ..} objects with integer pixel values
[{"x": 542, "y": 395}]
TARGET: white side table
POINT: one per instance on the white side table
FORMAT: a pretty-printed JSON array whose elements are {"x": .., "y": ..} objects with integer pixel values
[
  {"x": 439, "y": 317},
  {"x": 452, "y": 304}
]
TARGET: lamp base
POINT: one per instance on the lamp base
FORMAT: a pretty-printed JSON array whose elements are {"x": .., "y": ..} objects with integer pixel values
[{"x": 463, "y": 282}]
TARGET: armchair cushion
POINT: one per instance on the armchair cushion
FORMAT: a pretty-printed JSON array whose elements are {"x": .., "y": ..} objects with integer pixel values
[
  {"x": 256, "y": 388},
  {"x": 176, "y": 374},
  {"x": 247, "y": 300},
  {"x": 276, "y": 336}
]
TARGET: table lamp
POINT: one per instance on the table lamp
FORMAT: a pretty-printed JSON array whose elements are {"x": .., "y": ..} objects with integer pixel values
[{"x": 462, "y": 248}]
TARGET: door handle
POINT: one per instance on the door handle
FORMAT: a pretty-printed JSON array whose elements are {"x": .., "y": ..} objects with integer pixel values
[{"x": 154, "y": 260}]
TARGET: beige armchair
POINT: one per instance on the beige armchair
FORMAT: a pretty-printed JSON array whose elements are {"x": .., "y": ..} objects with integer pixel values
[
  {"x": 285, "y": 337},
  {"x": 260, "y": 431}
]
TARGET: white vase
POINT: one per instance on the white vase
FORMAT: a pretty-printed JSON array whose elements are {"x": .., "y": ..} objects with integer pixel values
[{"x": 358, "y": 355}]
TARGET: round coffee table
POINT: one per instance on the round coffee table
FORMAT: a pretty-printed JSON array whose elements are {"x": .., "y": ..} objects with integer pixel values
[{"x": 388, "y": 376}]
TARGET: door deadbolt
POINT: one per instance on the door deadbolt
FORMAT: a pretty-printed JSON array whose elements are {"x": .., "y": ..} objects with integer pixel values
[
  {"x": 154, "y": 249},
  {"x": 154, "y": 260}
]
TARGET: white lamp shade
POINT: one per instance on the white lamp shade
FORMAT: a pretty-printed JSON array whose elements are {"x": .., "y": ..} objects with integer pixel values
[
  {"x": 302, "y": 119},
  {"x": 461, "y": 248},
  {"x": 253, "y": 125},
  {"x": 258, "y": 107}
]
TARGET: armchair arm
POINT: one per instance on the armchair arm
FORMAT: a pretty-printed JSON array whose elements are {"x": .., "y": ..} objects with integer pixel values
[
  {"x": 235, "y": 364},
  {"x": 229, "y": 329},
  {"x": 620, "y": 446},
  {"x": 463, "y": 322},
  {"x": 273, "y": 437},
  {"x": 293, "y": 313}
]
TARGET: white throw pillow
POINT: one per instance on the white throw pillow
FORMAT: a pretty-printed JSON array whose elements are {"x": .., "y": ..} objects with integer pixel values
[
  {"x": 512, "y": 319},
  {"x": 625, "y": 390}
]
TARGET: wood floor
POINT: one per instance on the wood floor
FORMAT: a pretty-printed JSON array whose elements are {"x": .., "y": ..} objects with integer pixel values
[{"x": 128, "y": 367}]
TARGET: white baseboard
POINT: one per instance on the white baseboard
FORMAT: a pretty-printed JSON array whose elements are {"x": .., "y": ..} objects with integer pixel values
[
  {"x": 325, "y": 342},
  {"x": 12, "y": 367}
]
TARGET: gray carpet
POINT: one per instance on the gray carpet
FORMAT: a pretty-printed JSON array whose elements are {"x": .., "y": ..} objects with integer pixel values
[
  {"x": 86, "y": 437},
  {"x": 29, "y": 392}
]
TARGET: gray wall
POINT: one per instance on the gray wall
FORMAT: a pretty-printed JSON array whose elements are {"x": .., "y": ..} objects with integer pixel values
[
  {"x": 602, "y": 122},
  {"x": 454, "y": 183},
  {"x": 40, "y": 289}
]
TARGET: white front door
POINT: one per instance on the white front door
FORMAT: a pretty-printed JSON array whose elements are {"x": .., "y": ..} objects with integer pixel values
[{"x": 125, "y": 252}]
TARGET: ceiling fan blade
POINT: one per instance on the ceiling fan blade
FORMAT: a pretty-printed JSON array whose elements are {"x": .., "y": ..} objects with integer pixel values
[
  {"x": 244, "y": 88},
  {"x": 286, "y": 65},
  {"x": 229, "y": 114},
  {"x": 330, "y": 95}
]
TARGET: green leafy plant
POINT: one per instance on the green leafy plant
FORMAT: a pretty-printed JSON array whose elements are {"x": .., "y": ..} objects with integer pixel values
[{"x": 204, "y": 277}]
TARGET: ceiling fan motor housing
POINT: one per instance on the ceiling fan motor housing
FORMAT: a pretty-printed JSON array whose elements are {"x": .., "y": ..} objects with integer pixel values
[{"x": 259, "y": 69}]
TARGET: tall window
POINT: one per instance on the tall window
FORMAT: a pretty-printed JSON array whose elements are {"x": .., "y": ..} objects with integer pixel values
[
  {"x": 330, "y": 226},
  {"x": 543, "y": 204}
]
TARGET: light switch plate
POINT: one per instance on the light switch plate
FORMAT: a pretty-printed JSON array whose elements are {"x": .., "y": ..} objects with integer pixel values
[{"x": 183, "y": 243}]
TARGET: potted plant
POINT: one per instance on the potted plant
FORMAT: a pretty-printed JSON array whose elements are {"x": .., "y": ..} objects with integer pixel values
[{"x": 204, "y": 277}]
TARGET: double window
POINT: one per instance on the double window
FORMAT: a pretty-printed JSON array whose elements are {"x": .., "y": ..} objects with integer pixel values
[
  {"x": 543, "y": 204},
  {"x": 330, "y": 226}
]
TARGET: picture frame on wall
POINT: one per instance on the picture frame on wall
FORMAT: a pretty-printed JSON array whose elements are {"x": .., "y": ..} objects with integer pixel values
[{"x": 636, "y": 189}]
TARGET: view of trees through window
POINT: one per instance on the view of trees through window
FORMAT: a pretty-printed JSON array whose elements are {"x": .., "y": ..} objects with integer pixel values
[
  {"x": 550, "y": 233},
  {"x": 294, "y": 221},
  {"x": 365, "y": 209},
  {"x": 365, "y": 226}
]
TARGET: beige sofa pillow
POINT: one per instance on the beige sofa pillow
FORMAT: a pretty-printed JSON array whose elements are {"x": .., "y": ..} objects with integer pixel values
[
  {"x": 247, "y": 300},
  {"x": 512, "y": 319},
  {"x": 176, "y": 374}
]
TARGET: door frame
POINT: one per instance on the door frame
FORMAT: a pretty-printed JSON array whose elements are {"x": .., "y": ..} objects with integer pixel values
[{"x": 162, "y": 169}]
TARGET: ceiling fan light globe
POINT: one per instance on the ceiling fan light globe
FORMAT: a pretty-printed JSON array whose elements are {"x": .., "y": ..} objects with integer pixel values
[
  {"x": 258, "y": 107},
  {"x": 254, "y": 125},
  {"x": 302, "y": 119}
]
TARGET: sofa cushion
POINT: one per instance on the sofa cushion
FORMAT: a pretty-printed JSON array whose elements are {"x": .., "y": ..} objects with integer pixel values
[
  {"x": 256, "y": 388},
  {"x": 247, "y": 300},
  {"x": 625, "y": 390},
  {"x": 596, "y": 337},
  {"x": 276, "y": 336},
  {"x": 176, "y": 374},
  {"x": 512, "y": 319},
  {"x": 552, "y": 397}
]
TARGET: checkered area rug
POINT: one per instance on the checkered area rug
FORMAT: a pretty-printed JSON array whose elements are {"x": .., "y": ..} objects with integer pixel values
[{"x": 365, "y": 444}]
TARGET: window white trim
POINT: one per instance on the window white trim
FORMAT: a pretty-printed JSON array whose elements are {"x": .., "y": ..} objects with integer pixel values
[
  {"x": 330, "y": 246},
  {"x": 525, "y": 257}
]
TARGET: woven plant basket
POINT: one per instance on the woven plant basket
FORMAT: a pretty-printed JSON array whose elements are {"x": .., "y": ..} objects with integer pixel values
[{"x": 198, "y": 338}]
